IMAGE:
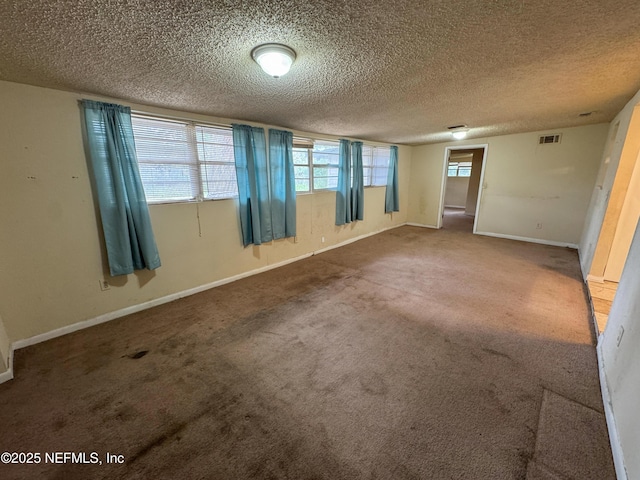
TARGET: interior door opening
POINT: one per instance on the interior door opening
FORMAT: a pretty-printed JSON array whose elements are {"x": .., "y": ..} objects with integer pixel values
[{"x": 462, "y": 188}]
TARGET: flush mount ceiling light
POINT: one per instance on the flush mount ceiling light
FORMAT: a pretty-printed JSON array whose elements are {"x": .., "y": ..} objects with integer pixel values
[
  {"x": 275, "y": 59},
  {"x": 459, "y": 131}
]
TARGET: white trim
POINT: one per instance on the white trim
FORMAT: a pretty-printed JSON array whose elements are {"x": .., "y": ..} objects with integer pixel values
[
  {"x": 443, "y": 184},
  {"x": 614, "y": 437},
  {"x": 412, "y": 224},
  {"x": 355, "y": 239},
  {"x": 594, "y": 319},
  {"x": 8, "y": 375},
  {"x": 443, "y": 187},
  {"x": 476, "y": 215},
  {"x": 43, "y": 337},
  {"x": 530, "y": 240}
]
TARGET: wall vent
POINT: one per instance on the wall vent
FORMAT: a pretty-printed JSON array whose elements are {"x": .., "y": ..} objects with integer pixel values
[{"x": 550, "y": 138}]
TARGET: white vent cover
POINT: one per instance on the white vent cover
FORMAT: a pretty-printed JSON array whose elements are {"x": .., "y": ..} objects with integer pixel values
[{"x": 544, "y": 139}]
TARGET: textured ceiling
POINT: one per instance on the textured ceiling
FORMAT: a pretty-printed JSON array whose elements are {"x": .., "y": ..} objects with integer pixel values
[{"x": 395, "y": 71}]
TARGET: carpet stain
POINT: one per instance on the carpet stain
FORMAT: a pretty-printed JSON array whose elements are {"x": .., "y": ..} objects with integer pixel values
[
  {"x": 138, "y": 354},
  {"x": 497, "y": 353},
  {"x": 158, "y": 441},
  {"x": 59, "y": 424},
  {"x": 374, "y": 384}
]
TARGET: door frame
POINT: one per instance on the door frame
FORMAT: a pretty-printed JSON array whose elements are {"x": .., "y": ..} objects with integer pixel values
[{"x": 443, "y": 183}]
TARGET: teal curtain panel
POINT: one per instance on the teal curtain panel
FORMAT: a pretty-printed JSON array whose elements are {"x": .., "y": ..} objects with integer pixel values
[
  {"x": 357, "y": 185},
  {"x": 250, "y": 154},
  {"x": 343, "y": 193},
  {"x": 392, "y": 202},
  {"x": 124, "y": 211},
  {"x": 283, "y": 186}
]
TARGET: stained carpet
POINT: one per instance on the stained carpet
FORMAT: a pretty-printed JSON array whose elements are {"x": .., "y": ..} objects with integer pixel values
[{"x": 412, "y": 354}]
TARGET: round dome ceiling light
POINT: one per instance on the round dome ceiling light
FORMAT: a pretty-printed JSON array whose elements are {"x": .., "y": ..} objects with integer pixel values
[
  {"x": 459, "y": 131},
  {"x": 275, "y": 59}
]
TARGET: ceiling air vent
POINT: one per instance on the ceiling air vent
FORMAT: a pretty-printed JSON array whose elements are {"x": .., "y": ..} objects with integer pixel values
[{"x": 550, "y": 138}]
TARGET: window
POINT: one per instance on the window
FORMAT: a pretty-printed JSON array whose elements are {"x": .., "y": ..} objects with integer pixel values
[
  {"x": 315, "y": 164},
  {"x": 183, "y": 161},
  {"x": 459, "y": 169},
  {"x": 217, "y": 162},
  {"x": 375, "y": 163},
  {"x": 326, "y": 162},
  {"x": 301, "y": 169},
  {"x": 302, "y": 148}
]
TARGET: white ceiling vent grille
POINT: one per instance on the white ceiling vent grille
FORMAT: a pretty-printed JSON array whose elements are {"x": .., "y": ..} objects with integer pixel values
[{"x": 544, "y": 139}]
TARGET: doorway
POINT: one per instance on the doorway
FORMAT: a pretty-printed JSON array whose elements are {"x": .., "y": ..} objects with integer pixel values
[
  {"x": 461, "y": 187},
  {"x": 617, "y": 209}
]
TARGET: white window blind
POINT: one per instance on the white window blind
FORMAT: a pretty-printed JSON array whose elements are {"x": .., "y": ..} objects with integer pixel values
[
  {"x": 380, "y": 170},
  {"x": 166, "y": 159},
  {"x": 217, "y": 164},
  {"x": 459, "y": 169},
  {"x": 326, "y": 161},
  {"x": 375, "y": 164},
  {"x": 183, "y": 161}
]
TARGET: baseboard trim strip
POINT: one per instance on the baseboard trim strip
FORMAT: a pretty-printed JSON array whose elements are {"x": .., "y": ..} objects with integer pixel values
[{"x": 43, "y": 337}]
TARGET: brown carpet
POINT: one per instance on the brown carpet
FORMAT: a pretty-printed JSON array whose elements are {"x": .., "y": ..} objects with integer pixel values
[
  {"x": 456, "y": 219},
  {"x": 413, "y": 354},
  {"x": 569, "y": 440}
]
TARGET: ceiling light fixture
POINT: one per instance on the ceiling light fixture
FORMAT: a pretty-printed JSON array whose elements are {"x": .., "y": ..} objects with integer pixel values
[
  {"x": 459, "y": 131},
  {"x": 273, "y": 58}
]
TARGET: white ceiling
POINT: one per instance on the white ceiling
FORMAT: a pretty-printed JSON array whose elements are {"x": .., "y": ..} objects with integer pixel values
[{"x": 390, "y": 71}]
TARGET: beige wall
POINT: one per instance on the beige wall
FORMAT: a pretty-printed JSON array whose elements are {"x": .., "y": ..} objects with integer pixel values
[
  {"x": 52, "y": 252},
  {"x": 474, "y": 182},
  {"x": 456, "y": 191},
  {"x": 425, "y": 184},
  {"x": 525, "y": 183}
]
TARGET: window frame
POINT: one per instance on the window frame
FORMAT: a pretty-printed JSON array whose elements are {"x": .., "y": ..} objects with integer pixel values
[
  {"x": 459, "y": 166},
  {"x": 196, "y": 164},
  {"x": 371, "y": 155},
  {"x": 328, "y": 165},
  {"x": 376, "y": 168}
]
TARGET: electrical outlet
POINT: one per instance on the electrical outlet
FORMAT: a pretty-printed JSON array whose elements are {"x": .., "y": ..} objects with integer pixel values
[
  {"x": 538, "y": 226},
  {"x": 104, "y": 285},
  {"x": 296, "y": 239},
  {"x": 322, "y": 239},
  {"x": 620, "y": 334}
]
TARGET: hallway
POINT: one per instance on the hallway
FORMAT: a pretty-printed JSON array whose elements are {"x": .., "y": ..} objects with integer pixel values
[{"x": 455, "y": 219}]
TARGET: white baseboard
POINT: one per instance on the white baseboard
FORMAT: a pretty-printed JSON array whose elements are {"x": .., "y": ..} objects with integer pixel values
[
  {"x": 614, "y": 437},
  {"x": 43, "y": 337},
  {"x": 355, "y": 239},
  {"x": 8, "y": 374},
  {"x": 411, "y": 224},
  {"x": 530, "y": 240}
]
